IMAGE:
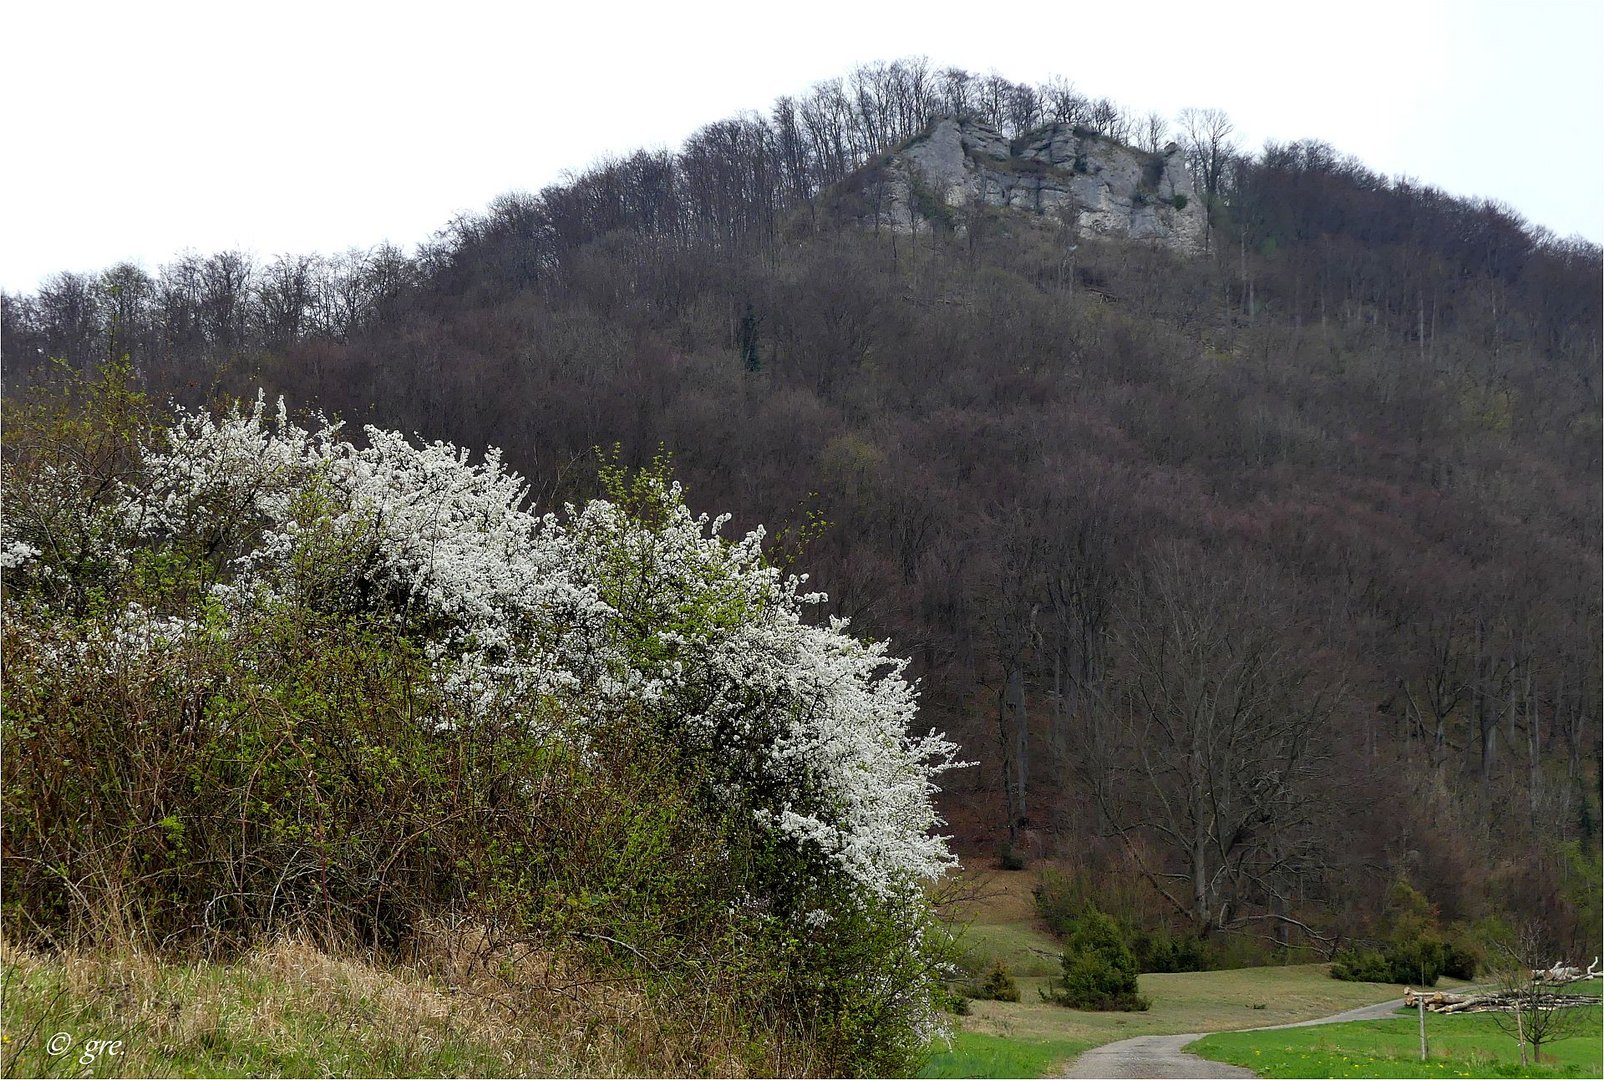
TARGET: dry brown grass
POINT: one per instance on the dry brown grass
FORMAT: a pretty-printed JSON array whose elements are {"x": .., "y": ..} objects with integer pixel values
[{"x": 464, "y": 1005}]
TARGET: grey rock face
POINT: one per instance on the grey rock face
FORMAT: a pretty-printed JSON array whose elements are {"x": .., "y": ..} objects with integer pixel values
[{"x": 1101, "y": 187}]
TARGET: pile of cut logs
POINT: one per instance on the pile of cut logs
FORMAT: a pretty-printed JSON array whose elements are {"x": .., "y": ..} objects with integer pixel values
[{"x": 1439, "y": 1001}]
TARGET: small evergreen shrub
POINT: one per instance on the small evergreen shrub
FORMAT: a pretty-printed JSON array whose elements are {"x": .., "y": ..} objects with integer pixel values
[
  {"x": 998, "y": 984},
  {"x": 1361, "y": 965},
  {"x": 1099, "y": 972},
  {"x": 931, "y": 207},
  {"x": 1161, "y": 951},
  {"x": 1417, "y": 959},
  {"x": 1179, "y": 202},
  {"x": 1059, "y": 899}
]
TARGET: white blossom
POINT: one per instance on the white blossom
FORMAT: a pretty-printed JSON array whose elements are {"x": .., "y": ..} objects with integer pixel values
[
  {"x": 593, "y": 610},
  {"x": 14, "y": 553}
]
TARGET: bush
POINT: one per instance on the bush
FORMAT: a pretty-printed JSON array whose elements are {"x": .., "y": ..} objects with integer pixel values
[
  {"x": 1179, "y": 201},
  {"x": 1413, "y": 954},
  {"x": 262, "y": 680},
  {"x": 998, "y": 985},
  {"x": 1464, "y": 957},
  {"x": 1361, "y": 965},
  {"x": 1099, "y": 972},
  {"x": 1061, "y": 897},
  {"x": 1418, "y": 961},
  {"x": 1160, "y": 951},
  {"x": 952, "y": 1001}
]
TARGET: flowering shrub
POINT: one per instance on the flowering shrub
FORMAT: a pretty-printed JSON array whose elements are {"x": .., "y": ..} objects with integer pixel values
[{"x": 359, "y": 679}]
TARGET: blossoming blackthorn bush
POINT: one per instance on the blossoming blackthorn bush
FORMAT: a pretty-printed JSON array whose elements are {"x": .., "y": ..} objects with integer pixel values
[{"x": 261, "y": 675}]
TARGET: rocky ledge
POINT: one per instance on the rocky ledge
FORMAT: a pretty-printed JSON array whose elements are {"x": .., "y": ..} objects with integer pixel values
[{"x": 1096, "y": 185}]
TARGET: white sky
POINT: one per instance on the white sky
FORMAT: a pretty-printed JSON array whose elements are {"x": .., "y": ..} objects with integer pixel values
[{"x": 136, "y": 130}]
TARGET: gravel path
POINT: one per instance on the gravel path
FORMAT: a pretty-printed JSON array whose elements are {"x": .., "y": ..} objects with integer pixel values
[
  {"x": 1165, "y": 1055},
  {"x": 1150, "y": 1055}
]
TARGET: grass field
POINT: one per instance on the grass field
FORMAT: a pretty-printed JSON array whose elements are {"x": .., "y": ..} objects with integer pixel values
[
  {"x": 1464, "y": 1045},
  {"x": 973, "y": 1054}
]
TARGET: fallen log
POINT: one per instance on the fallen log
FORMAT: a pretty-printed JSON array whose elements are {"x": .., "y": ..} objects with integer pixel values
[
  {"x": 1473, "y": 1003},
  {"x": 1434, "y": 1000},
  {"x": 1439, "y": 1001},
  {"x": 1560, "y": 973}
]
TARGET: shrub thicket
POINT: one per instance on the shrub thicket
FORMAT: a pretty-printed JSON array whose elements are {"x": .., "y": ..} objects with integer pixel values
[
  {"x": 1062, "y": 896},
  {"x": 260, "y": 679},
  {"x": 1414, "y": 951},
  {"x": 1162, "y": 951},
  {"x": 1464, "y": 957}
]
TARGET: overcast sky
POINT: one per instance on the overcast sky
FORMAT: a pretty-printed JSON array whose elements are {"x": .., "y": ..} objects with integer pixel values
[{"x": 136, "y": 130}]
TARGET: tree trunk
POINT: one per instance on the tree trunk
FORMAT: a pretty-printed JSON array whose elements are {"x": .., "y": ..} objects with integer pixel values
[
  {"x": 1021, "y": 733},
  {"x": 1200, "y": 888}
]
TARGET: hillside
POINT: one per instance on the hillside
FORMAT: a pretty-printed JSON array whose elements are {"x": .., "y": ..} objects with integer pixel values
[{"x": 1256, "y": 572}]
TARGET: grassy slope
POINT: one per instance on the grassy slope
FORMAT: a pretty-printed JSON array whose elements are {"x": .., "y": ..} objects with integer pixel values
[
  {"x": 1466, "y": 1045},
  {"x": 1004, "y": 924},
  {"x": 287, "y": 1010}
]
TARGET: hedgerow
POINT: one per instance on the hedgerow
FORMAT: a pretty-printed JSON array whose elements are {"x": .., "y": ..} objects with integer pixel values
[{"x": 262, "y": 676}]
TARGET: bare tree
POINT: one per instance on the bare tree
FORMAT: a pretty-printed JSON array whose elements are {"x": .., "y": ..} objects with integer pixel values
[
  {"x": 1152, "y": 132},
  {"x": 992, "y": 101},
  {"x": 827, "y": 119},
  {"x": 225, "y": 287},
  {"x": 1062, "y": 102},
  {"x": 1538, "y": 1015},
  {"x": 1011, "y": 608},
  {"x": 284, "y": 296},
  {"x": 71, "y": 308},
  {"x": 1206, "y": 138},
  {"x": 957, "y": 91},
  {"x": 1025, "y": 109},
  {"x": 1214, "y": 733},
  {"x": 1106, "y": 118},
  {"x": 130, "y": 296}
]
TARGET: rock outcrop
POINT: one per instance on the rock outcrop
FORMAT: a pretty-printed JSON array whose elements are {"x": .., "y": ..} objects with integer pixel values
[{"x": 1099, "y": 186}]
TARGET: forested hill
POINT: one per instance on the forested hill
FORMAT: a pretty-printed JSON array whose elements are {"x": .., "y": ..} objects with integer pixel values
[{"x": 1267, "y": 576}]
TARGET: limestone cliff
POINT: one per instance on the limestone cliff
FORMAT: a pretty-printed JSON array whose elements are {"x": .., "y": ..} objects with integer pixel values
[{"x": 1099, "y": 186}]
